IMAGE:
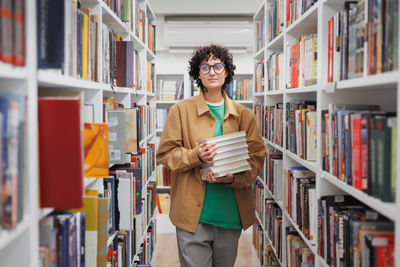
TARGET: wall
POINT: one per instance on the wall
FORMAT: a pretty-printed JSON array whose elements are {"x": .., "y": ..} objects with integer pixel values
[
  {"x": 170, "y": 63},
  {"x": 204, "y": 6}
]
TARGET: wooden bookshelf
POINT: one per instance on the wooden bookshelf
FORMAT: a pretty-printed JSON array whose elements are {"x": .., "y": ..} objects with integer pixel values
[{"x": 379, "y": 89}]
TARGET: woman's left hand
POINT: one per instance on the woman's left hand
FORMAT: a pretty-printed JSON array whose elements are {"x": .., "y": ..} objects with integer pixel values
[{"x": 227, "y": 179}]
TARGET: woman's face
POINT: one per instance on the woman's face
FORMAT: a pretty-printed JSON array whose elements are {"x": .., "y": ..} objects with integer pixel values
[{"x": 215, "y": 78}]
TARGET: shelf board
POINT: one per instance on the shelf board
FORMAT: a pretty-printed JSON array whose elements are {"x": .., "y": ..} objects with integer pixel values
[
  {"x": 147, "y": 138},
  {"x": 306, "y": 23},
  {"x": 89, "y": 181},
  {"x": 274, "y": 92},
  {"x": 279, "y": 202},
  {"x": 273, "y": 248},
  {"x": 111, "y": 238},
  {"x": 305, "y": 239},
  {"x": 150, "y": 12},
  {"x": 244, "y": 102},
  {"x": 260, "y": 12},
  {"x": 150, "y": 54},
  {"x": 258, "y": 178},
  {"x": 277, "y": 147},
  {"x": 120, "y": 90},
  {"x": 112, "y": 20},
  {"x": 260, "y": 54},
  {"x": 312, "y": 166},
  {"x": 150, "y": 94},
  {"x": 387, "y": 209},
  {"x": 306, "y": 89},
  {"x": 387, "y": 80},
  {"x": 166, "y": 103},
  {"x": 43, "y": 212},
  {"x": 259, "y": 220},
  {"x": 8, "y": 236},
  {"x": 321, "y": 260},
  {"x": 52, "y": 79},
  {"x": 277, "y": 43},
  {"x": 258, "y": 94},
  {"x": 11, "y": 72},
  {"x": 138, "y": 44}
]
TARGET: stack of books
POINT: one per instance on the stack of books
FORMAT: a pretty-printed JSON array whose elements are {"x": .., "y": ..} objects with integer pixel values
[{"x": 232, "y": 155}]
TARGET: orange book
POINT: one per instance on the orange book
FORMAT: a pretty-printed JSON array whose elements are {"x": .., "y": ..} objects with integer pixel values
[{"x": 96, "y": 149}]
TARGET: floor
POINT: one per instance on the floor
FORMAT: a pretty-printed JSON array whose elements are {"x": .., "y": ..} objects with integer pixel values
[{"x": 167, "y": 251}]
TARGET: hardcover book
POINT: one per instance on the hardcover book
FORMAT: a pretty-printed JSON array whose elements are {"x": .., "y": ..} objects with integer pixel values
[{"x": 96, "y": 149}]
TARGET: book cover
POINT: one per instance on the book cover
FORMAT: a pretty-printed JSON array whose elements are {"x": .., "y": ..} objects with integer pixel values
[
  {"x": 50, "y": 33},
  {"x": 60, "y": 159},
  {"x": 131, "y": 131},
  {"x": 117, "y": 135},
  {"x": 96, "y": 138}
]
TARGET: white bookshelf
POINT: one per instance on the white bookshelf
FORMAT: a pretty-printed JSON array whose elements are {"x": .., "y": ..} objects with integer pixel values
[
  {"x": 24, "y": 238},
  {"x": 382, "y": 89}
]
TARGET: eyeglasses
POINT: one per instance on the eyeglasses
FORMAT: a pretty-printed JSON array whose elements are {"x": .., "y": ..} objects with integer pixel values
[{"x": 218, "y": 68}]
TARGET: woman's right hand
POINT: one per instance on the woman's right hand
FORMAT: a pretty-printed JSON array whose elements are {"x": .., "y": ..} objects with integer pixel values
[{"x": 207, "y": 152}]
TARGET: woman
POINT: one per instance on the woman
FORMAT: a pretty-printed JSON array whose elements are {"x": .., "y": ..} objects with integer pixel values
[{"x": 209, "y": 216}]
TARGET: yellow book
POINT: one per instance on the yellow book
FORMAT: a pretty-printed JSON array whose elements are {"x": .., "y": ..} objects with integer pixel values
[
  {"x": 96, "y": 149},
  {"x": 90, "y": 208},
  {"x": 102, "y": 234},
  {"x": 85, "y": 45}
]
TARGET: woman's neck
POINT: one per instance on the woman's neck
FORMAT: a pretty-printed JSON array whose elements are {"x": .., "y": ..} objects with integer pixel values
[{"x": 213, "y": 96}]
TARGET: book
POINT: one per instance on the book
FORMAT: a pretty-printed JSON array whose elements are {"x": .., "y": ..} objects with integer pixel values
[
  {"x": 117, "y": 148},
  {"x": 60, "y": 159},
  {"x": 50, "y": 33},
  {"x": 96, "y": 149}
]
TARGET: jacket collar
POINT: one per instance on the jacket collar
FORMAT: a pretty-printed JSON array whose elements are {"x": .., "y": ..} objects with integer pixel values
[{"x": 202, "y": 107}]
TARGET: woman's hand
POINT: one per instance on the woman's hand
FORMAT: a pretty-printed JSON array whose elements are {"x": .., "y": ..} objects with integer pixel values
[
  {"x": 227, "y": 179},
  {"x": 207, "y": 152}
]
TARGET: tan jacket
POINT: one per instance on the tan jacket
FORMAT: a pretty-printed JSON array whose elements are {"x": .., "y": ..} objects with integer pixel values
[{"x": 190, "y": 121}]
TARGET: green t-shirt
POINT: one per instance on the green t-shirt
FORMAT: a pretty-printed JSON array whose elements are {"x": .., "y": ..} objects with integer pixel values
[{"x": 220, "y": 207}]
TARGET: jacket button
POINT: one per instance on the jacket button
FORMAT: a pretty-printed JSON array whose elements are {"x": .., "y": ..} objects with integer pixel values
[{"x": 198, "y": 204}]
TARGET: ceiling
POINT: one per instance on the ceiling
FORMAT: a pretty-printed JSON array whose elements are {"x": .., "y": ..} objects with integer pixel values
[{"x": 205, "y": 7}]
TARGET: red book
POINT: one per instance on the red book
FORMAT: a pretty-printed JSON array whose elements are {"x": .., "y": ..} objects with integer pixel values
[
  {"x": 356, "y": 153},
  {"x": 120, "y": 63},
  {"x": 60, "y": 152},
  {"x": 384, "y": 244},
  {"x": 330, "y": 49},
  {"x": 293, "y": 66},
  {"x": 6, "y": 31}
]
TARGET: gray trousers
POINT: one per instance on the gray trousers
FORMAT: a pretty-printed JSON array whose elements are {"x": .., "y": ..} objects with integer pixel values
[{"x": 209, "y": 246}]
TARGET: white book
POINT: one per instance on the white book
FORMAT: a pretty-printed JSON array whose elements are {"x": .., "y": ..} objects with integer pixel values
[
  {"x": 226, "y": 149},
  {"x": 312, "y": 200},
  {"x": 204, "y": 172},
  {"x": 232, "y": 153},
  {"x": 224, "y": 137},
  {"x": 231, "y": 142},
  {"x": 231, "y": 159},
  {"x": 125, "y": 203},
  {"x": 229, "y": 166},
  {"x": 278, "y": 178}
]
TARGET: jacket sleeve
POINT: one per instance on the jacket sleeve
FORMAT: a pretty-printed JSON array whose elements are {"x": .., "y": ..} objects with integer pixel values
[
  {"x": 171, "y": 152},
  {"x": 257, "y": 152}
]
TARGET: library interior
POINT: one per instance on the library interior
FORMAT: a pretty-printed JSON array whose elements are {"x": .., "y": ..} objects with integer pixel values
[{"x": 199, "y": 133}]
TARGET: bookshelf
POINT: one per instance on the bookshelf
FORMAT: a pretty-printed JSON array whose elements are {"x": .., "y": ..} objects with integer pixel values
[
  {"x": 29, "y": 81},
  {"x": 374, "y": 89}
]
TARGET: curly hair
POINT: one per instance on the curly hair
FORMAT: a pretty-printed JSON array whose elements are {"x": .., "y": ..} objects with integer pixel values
[{"x": 204, "y": 53}]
